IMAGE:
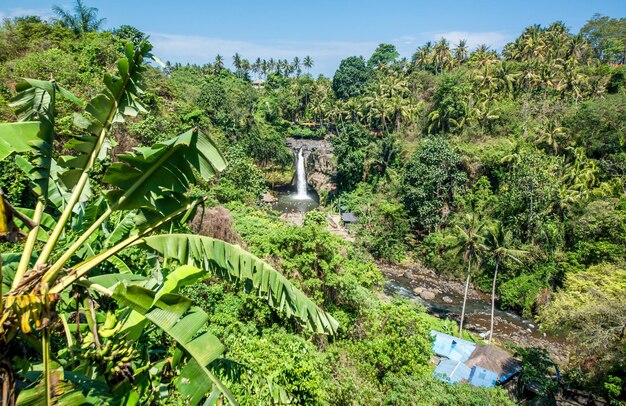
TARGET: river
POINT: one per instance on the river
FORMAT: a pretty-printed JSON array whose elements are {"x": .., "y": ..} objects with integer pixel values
[{"x": 509, "y": 327}]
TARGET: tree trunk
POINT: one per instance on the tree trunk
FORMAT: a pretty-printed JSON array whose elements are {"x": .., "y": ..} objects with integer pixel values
[
  {"x": 493, "y": 300},
  {"x": 467, "y": 280}
]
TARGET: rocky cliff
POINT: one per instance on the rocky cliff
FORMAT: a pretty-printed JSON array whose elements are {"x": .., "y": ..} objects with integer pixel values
[{"x": 319, "y": 162}]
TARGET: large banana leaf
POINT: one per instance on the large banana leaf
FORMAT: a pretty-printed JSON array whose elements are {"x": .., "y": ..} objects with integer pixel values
[
  {"x": 156, "y": 178},
  {"x": 35, "y": 100},
  {"x": 233, "y": 263},
  {"x": 175, "y": 315},
  {"x": 194, "y": 382},
  {"x": 18, "y": 137},
  {"x": 120, "y": 97}
]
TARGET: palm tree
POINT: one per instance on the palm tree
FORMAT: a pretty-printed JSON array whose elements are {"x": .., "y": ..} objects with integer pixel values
[
  {"x": 85, "y": 19},
  {"x": 286, "y": 67},
  {"x": 296, "y": 66},
  {"x": 237, "y": 61},
  {"x": 308, "y": 63},
  {"x": 460, "y": 52},
  {"x": 271, "y": 65},
  {"x": 442, "y": 55},
  {"x": 245, "y": 66},
  {"x": 219, "y": 63},
  {"x": 256, "y": 66},
  {"x": 470, "y": 244},
  {"x": 496, "y": 241},
  {"x": 551, "y": 134}
]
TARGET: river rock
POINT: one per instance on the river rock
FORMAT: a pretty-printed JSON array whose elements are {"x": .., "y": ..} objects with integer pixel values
[
  {"x": 407, "y": 274},
  {"x": 418, "y": 290},
  {"x": 447, "y": 299},
  {"x": 268, "y": 198},
  {"x": 427, "y": 295}
]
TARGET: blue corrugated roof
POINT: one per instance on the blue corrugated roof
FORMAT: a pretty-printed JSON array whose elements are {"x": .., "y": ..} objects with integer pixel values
[
  {"x": 452, "y": 371},
  {"x": 483, "y": 377},
  {"x": 451, "y": 347},
  {"x": 462, "y": 358}
]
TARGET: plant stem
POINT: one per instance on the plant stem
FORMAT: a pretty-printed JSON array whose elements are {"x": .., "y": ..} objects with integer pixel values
[
  {"x": 54, "y": 270},
  {"x": 45, "y": 346},
  {"x": 84, "y": 177},
  {"x": 52, "y": 273},
  {"x": 29, "y": 246},
  {"x": 78, "y": 190},
  {"x": 82, "y": 268}
]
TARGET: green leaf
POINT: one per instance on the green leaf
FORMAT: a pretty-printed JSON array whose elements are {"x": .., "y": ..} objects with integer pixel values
[
  {"x": 119, "y": 97},
  {"x": 235, "y": 372},
  {"x": 8, "y": 265},
  {"x": 182, "y": 276},
  {"x": 61, "y": 185},
  {"x": 234, "y": 264},
  {"x": 36, "y": 100},
  {"x": 47, "y": 223},
  {"x": 71, "y": 97},
  {"x": 110, "y": 280},
  {"x": 18, "y": 137},
  {"x": 64, "y": 394},
  {"x": 33, "y": 99},
  {"x": 174, "y": 314},
  {"x": 119, "y": 264},
  {"x": 121, "y": 230},
  {"x": 156, "y": 178}
]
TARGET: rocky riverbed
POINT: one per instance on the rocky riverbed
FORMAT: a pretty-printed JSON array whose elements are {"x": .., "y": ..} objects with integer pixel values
[{"x": 444, "y": 297}]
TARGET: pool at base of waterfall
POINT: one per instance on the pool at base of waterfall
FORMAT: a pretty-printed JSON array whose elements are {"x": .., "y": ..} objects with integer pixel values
[
  {"x": 289, "y": 201},
  {"x": 301, "y": 199}
]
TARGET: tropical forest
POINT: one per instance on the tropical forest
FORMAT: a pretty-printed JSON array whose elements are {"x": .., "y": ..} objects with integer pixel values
[{"x": 445, "y": 227}]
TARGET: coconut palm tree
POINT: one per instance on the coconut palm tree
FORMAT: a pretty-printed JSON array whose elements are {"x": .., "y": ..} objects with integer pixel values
[
  {"x": 460, "y": 53},
  {"x": 442, "y": 55},
  {"x": 470, "y": 245},
  {"x": 552, "y": 134},
  {"x": 497, "y": 241},
  {"x": 286, "y": 67},
  {"x": 219, "y": 63},
  {"x": 237, "y": 61},
  {"x": 308, "y": 63},
  {"x": 296, "y": 66},
  {"x": 85, "y": 19},
  {"x": 256, "y": 66},
  {"x": 245, "y": 66},
  {"x": 271, "y": 65}
]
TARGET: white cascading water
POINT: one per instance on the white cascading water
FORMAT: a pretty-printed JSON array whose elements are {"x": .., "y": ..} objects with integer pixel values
[{"x": 301, "y": 178}]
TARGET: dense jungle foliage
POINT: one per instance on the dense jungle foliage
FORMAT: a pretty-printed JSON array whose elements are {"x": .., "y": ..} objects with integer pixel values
[{"x": 461, "y": 160}]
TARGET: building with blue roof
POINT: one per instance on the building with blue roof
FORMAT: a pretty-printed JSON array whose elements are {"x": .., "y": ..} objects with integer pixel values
[{"x": 465, "y": 361}]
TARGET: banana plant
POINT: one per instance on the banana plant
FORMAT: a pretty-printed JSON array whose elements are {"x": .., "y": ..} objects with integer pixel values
[{"x": 51, "y": 288}]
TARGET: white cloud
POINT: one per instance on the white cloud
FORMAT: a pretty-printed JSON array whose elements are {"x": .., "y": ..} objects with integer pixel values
[
  {"x": 200, "y": 49},
  {"x": 22, "y": 12},
  {"x": 326, "y": 54}
]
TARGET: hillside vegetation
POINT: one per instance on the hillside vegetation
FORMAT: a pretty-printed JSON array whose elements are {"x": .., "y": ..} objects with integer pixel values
[{"x": 466, "y": 161}]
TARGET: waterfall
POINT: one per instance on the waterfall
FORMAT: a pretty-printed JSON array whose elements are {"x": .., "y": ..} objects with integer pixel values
[{"x": 301, "y": 178}]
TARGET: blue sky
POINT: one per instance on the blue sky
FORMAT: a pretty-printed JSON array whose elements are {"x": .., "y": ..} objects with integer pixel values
[{"x": 328, "y": 31}]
